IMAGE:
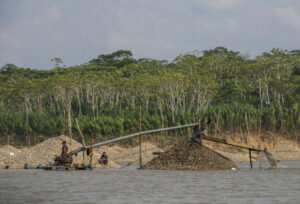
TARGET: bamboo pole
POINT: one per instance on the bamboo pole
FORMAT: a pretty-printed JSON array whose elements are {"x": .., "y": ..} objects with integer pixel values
[
  {"x": 83, "y": 142},
  {"x": 81, "y": 135},
  {"x": 259, "y": 159},
  {"x": 250, "y": 157},
  {"x": 140, "y": 137}
]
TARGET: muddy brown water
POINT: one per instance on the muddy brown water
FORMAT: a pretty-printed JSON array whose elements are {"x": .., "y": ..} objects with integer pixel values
[{"x": 128, "y": 185}]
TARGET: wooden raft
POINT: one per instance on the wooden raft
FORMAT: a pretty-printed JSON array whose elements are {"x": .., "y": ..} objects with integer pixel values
[{"x": 66, "y": 167}]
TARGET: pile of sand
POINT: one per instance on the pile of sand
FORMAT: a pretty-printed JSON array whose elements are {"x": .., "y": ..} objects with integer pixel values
[
  {"x": 5, "y": 155},
  {"x": 188, "y": 155},
  {"x": 45, "y": 152}
]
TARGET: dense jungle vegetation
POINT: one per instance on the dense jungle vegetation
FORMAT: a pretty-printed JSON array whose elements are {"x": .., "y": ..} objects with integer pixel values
[{"x": 106, "y": 95}]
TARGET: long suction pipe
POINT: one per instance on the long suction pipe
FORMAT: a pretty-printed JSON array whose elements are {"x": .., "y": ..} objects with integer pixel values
[{"x": 130, "y": 136}]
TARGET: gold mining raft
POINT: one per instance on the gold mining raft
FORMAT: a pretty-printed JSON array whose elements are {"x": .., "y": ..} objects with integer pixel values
[{"x": 199, "y": 133}]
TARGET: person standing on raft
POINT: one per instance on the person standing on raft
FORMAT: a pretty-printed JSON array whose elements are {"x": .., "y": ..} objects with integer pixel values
[{"x": 65, "y": 149}]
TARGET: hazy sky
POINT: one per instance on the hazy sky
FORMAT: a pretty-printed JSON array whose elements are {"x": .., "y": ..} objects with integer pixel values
[{"x": 34, "y": 31}]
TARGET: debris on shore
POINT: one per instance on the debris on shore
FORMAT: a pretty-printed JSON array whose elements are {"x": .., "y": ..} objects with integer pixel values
[{"x": 189, "y": 155}]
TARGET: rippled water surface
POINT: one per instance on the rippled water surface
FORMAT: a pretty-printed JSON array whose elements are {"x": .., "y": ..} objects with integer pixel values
[{"x": 128, "y": 185}]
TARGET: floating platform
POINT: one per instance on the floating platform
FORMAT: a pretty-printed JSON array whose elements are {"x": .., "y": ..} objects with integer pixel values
[{"x": 67, "y": 167}]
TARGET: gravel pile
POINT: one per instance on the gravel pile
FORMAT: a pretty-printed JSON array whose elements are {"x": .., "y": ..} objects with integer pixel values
[{"x": 188, "y": 155}]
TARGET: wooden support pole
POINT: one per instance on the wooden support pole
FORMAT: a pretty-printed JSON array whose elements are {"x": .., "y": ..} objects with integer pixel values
[
  {"x": 250, "y": 158},
  {"x": 91, "y": 153},
  {"x": 83, "y": 142},
  {"x": 140, "y": 137},
  {"x": 81, "y": 135},
  {"x": 83, "y": 153},
  {"x": 259, "y": 159},
  {"x": 91, "y": 161}
]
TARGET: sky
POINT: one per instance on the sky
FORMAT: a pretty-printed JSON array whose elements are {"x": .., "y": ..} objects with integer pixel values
[{"x": 33, "y": 32}]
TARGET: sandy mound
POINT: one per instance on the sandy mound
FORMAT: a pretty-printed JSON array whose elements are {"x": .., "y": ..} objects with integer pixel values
[
  {"x": 188, "y": 155},
  {"x": 43, "y": 153},
  {"x": 5, "y": 157},
  {"x": 9, "y": 148}
]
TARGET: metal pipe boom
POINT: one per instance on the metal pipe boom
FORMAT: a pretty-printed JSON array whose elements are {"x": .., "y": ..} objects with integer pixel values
[{"x": 131, "y": 136}]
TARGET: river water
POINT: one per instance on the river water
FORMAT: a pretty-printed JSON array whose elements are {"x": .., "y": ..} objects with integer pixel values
[{"x": 128, "y": 185}]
